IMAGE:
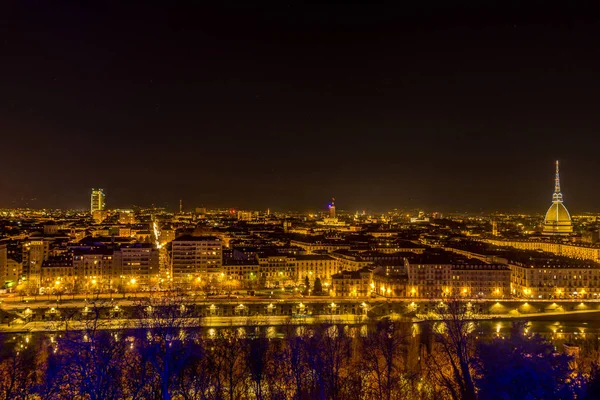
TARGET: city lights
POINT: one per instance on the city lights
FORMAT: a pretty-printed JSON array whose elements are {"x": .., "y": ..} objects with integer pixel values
[{"x": 332, "y": 201}]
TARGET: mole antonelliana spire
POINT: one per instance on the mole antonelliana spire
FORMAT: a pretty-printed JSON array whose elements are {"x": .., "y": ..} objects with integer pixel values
[{"x": 558, "y": 219}]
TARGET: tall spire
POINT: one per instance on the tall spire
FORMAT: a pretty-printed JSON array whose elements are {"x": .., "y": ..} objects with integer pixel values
[{"x": 557, "y": 196}]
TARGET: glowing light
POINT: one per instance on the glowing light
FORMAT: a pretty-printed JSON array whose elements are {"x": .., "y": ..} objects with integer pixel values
[{"x": 156, "y": 234}]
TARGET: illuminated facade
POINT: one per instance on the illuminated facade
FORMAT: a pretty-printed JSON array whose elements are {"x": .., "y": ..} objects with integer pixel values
[
  {"x": 135, "y": 267},
  {"x": 92, "y": 269},
  {"x": 351, "y": 283},
  {"x": 195, "y": 257},
  {"x": 276, "y": 270},
  {"x": 429, "y": 280},
  {"x": 97, "y": 200},
  {"x": 3, "y": 263},
  {"x": 332, "y": 208},
  {"x": 584, "y": 252},
  {"x": 389, "y": 281},
  {"x": 243, "y": 271},
  {"x": 315, "y": 266},
  {"x": 555, "y": 281},
  {"x": 312, "y": 247},
  {"x": 34, "y": 252},
  {"x": 57, "y": 275},
  {"x": 481, "y": 280},
  {"x": 557, "y": 221}
]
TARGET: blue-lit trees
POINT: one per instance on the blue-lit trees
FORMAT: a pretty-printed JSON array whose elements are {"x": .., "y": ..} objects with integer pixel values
[{"x": 522, "y": 367}]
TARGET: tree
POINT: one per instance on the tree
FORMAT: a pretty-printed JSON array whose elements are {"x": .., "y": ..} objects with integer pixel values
[
  {"x": 384, "y": 354},
  {"x": 318, "y": 288},
  {"x": 328, "y": 353},
  {"x": 86, "y": 361},
  {"x": 306, "y": 285},
  {"x": 256, "y": 360},
  {"x": 226, "y": 357},
  {"x": 522, "y": 367},
  {"x": 18, "y": 373},
  {"x": 166, "y": 322},
  {"x": 452, "y": 356}
]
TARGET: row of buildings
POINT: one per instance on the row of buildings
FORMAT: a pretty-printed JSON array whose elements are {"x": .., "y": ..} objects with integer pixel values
[
  {"x": 47, "y": 266},
  {"x": 390, "y": 268}
]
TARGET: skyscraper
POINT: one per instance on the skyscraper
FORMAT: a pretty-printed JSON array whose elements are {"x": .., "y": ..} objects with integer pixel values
[
  {"x": 332, "y": 208},
  {"x": 557, "y": 221},
  {"x": 97, "y": 202}
]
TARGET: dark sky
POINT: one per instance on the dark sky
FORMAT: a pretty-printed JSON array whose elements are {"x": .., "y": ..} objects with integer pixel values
[{"x": 255, "y": 107}]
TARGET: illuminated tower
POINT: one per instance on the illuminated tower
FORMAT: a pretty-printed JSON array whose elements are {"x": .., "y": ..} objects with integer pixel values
[
  {"x": 97, "y": 200},
  {"x": 557, "y": 221},
  {"x": 494, "y": 228},
  {"x": 332, "y": 208}
]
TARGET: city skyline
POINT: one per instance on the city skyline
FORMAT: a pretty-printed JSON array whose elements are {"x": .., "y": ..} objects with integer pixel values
[
  {"x": 299, "y": 201},
  {"x": 241, "y": 106},
  {"x": 327, "y": 209}
]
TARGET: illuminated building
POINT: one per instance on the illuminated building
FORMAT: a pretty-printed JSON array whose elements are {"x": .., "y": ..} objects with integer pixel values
[
  {"x": 351, "y": 283},
  {"x": 348, "y": 260},
  {"x": 421, "y": 219},
  {"x": 196, "y": 256},
  {"x": 97, "y": 200},
  {"x": 331, "y": 221},
  {"x": 389, "y": 281},
  {"x": 92, "y": 269},
  {"x": 543, "y": 281},
  {"x": 137, "y": 266},
  {"x": 166, "y": 235},
  {"x": 50, "y": 229},
  {"x": 332, "y": 208},
  {"x": 57, "y": 275},
  {"x": 313, "y": 245},
  {"x": 481, "y": 280},
  {"x": 429, "y": 276},
  {"x": 557, "y": 221},
  {"x": 126, "y": 217},
  {"x": 581, "y": 251},
  {"x": 451, "y": 274},
  {"x": 34, "y": 253},
  {"x": 244, "y": 271},
  {"x": 99, "y": 216},
  {"x": 276, "y": 270},
  {"x": 494, "y": 228},
  {"x": 245, "y": 216},
  {"x": 3, "y": 263},
  {"x": 315, "y": 266}
]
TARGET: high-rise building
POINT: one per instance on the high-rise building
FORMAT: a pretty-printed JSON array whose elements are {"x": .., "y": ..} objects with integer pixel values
[
  {"x": 34, "y": 252},
  {"x": 194, "y": 257},
  {"x": 332, "y": 208},
  {"x": 97, "y": 200},
  {"x": 557, "y": 221}
]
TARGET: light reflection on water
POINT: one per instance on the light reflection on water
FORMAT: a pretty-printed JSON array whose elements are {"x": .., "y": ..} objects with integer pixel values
[{"x": 557, "y": 329}]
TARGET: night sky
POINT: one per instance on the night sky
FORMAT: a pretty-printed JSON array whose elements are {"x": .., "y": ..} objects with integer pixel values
[{"x": 255, "y": 107}]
